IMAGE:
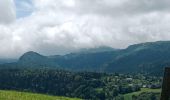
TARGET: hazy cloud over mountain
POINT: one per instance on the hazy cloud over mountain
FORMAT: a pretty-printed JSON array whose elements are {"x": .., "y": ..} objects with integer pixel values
[{"x": 60, "y": 26}]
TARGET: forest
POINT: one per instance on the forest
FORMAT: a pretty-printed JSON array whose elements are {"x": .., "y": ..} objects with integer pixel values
[{"x": 84, "y": 85}]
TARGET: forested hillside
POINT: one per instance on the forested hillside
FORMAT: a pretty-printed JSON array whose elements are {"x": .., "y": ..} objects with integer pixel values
[{"x": 85, "y": 85}]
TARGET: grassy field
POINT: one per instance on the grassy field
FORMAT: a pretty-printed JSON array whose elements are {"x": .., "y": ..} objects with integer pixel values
[
  {"x": 129, "y": 95},
  {"x": 13, "y": 95}
]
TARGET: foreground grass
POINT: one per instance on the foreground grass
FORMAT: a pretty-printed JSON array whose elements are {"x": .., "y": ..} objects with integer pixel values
[
  {"x": 129, "y": 95},
  {"x": 13, "y": 95}
]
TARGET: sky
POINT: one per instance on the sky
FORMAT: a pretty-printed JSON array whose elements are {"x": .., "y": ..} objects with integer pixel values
[{"x": 53, "y": 27}]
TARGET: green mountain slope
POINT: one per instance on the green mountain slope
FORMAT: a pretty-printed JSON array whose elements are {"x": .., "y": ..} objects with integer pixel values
[
  {"x": 146, "y": 57},
  {"x": 149, "y": 57},
  {"x": 89, "y": 61},
  {"x": 14, "y": 95}
]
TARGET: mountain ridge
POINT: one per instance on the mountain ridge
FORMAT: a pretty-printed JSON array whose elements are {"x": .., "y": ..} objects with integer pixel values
[{"x": 143, "y": 57}]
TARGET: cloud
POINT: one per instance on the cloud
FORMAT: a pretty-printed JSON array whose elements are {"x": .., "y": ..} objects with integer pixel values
[
  {"x": 59, "y": 27},
  {"x": 117, "y": 7},
  {"x": 7, "y": 11}
]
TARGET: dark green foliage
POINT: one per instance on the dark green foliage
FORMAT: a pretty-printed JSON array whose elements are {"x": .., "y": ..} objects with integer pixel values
[
  {"x": 54, "y": 82},
  {"x": 86, "y": 85},
  {"x": 120, "y": 97}
]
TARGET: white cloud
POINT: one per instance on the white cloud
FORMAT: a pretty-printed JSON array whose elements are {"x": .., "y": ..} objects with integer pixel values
[
  {"x": 7, "y": 11},
  {"x": 57, "y": 26}
]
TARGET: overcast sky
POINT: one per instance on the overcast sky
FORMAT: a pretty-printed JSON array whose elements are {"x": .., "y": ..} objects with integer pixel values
[{"x": 59, "y": 26}]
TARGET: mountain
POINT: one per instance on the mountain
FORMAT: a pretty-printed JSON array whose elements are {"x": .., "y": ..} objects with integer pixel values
[
  {"x": 32, "y": 58},
  {"x": 3, "y": 61},
  {"x": 150, "y": 57},
  {"x": 35, "y": 60},
  {"x": 83, "y": 61},
  {"x": 89, "y": 60},
  {"x": 96, "y": 50}
]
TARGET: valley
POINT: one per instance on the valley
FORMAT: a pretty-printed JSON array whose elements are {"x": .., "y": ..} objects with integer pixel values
[{"x": 94, "y": 74}]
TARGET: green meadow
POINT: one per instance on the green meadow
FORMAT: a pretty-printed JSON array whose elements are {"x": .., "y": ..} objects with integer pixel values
[
  {"x": 14, "y": 95},
  {"x": 129, "y": 95}
]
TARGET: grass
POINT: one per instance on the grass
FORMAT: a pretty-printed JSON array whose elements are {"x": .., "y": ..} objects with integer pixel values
[
  {"x": 14, "y": 95},
  {"x": 129, "y": 95}
]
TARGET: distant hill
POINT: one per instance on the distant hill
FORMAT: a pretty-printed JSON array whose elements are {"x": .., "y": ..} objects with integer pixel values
[
  {"x": 33, "y": 59},
  {"x": 150, "y": 57},
  {"x": 96, "y": 50},
  {"x": 80, "y": 61},
  {"x": 3, "y": 61}
]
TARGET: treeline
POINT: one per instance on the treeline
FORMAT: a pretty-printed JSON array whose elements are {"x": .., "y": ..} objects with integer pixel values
[
  {"x": 86, "y": 85},
  {"x": 54, "y": 82}
]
